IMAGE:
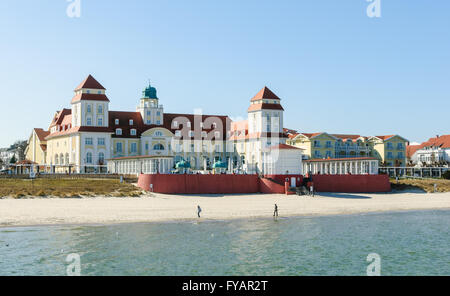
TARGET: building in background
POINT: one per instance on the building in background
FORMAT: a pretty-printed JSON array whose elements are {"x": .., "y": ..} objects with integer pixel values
[
  {"x": 389, "y": 150},
  {"x": 435, "y": 151}
]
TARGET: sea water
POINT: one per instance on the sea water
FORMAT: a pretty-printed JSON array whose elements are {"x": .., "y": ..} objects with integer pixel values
[{"x": 407, "y": 243}]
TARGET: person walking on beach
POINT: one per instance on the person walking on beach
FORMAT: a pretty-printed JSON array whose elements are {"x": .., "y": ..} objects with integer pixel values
[
  {"x": 275, "y": 212},
  {"x": 311, "y": 189},
  {"x": 199, "y": 210}
]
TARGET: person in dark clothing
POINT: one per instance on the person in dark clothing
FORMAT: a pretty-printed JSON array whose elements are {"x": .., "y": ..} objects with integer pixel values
[
  {"x": 199, "y": 210},
  {"x": 275, "y": 212}
]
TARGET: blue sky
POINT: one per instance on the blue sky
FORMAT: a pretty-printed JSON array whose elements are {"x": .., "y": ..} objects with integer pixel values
[{"x": 336, "y": 69}]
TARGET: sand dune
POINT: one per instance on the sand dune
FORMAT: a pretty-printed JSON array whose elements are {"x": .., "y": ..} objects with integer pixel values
[{"x": 158, "y": 207}]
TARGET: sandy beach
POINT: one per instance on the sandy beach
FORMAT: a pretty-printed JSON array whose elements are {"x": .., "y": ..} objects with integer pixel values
[{"x": 158, "y": 207}]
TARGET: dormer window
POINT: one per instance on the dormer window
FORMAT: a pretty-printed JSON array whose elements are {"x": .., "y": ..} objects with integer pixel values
[
  {"x": 99, "y": 92},
  {"x": 133, "y": 132},
  {"x": 188, "y": 124},
  {"x": 118, "y": 131},
  {"x": 116, "y": 121},
  {"x": 131, "y": 121},
  {"x": 88, "y": 91},
  {"x": 175, "y": 123}
]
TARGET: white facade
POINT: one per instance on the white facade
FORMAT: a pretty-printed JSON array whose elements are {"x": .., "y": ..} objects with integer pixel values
[{"x": 283, "y": 162}]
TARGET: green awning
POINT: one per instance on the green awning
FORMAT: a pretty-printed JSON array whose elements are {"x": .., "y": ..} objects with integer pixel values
[
  {"x": 219, "y": 164},
  {"x": 183, "y": 164}
]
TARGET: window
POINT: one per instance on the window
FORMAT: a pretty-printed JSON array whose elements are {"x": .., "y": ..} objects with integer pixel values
[
  {"x": 101, "y": 157},
  {"x": 133, "y": 147},
  {"x": 148, "y": 121},
  {"x": 89, "y": 108},
  {"x": 175, "y": 123},
  {"x": 101, "y": 141},
  {"x": 389, "y": 155},
  {"x": 400, "y": 155},
  {"x": 188, "y": 124},
  {"x": 88, "y": 141},
  {"x": 146, "y": 146},
  {"x": 158, "y": 122},
  {"x": 158, "y": 134},
  {"x": 89, "y": 121},
  {"x": 192, "y": 147},
  {"x": 100, "y": 109},
  {"x": 399, "y": 146},
  {"x": 390, "y": 145},
  {"x": 158, "y": 113},
  {"x": 149, "y": 113},
  {"x": 116, "y": 121},
  {"x": 317, "y": 144},
  {"x": 88, "y": 91},
  {"x": 100, "y": 121},
  {"x": 99, "y": 92},
  {"x": 119, "y": 131},
  {"x": 328, "y": 154},
  {"x": 133, "y": 132},
  {"x": 89, "y": 157},
  {"x": 328, "y": 144},
  {"x": 131, "y": 121},
  {"x": 191, "y": 134},
  {"x": 158, "y": 147},
  {"x": 177, "y": 133},
  {"x": 119, "y": 147},
  {"x": 217, "y": 134},
  {"x": 317, "y": 153},
  {"x": 204, "y": 135}
]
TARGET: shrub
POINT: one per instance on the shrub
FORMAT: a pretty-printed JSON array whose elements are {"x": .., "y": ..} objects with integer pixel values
[{"x": 446, "y": 175}]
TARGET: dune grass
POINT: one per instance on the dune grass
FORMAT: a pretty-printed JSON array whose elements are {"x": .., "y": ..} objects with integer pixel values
[
  {"x": 71, "y": 188},
  {"x": 426, "y": 185}
]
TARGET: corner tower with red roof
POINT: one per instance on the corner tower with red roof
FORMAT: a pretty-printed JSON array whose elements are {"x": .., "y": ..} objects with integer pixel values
[{"x": 90, "y": 104}]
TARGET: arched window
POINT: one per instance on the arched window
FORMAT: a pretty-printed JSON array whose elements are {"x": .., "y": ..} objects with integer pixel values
[
  {"x": 101, "y": 157},
  {"x": 61, "y": 158},
  {"x": 89, "y": 157},
  {"x": 67, "y": 158},
  {"x": 158, "y": 147},
  {"x": 56, "y": 159}
]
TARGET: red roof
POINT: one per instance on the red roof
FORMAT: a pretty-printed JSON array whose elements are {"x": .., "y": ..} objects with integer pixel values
[
  {"x": 265, "y": 93},
  {"x": 385, "y": 137},
  {"x": 441, "y": 142},
  {"x": 411, "y": 149},
  {"x": 284, "y": 147},
  {"x": 264, "y": 106},
  {"x": 41, "y": 133},
  {"x": 90, "y": 82},
  {"x": 311, "y": 135},
  {"x": 345, "y": 137},
  {"x": 89, "y": 97}
]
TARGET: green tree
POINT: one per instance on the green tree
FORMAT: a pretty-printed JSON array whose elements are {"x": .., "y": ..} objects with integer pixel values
[{"x": 13, "y": 159}]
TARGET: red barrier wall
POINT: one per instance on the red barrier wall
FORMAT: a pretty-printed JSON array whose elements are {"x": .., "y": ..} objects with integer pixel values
[
  {"x": 268, "y": 186},
  {"x": 352, "y": 183},
  {"x": 229, "y": 184},
  {"x": 282, "y": 178},
  {"x": 200, "y": 184}
]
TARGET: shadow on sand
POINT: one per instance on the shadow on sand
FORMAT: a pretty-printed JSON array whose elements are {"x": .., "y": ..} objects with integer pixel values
[{"x": 344, "y": 195}]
